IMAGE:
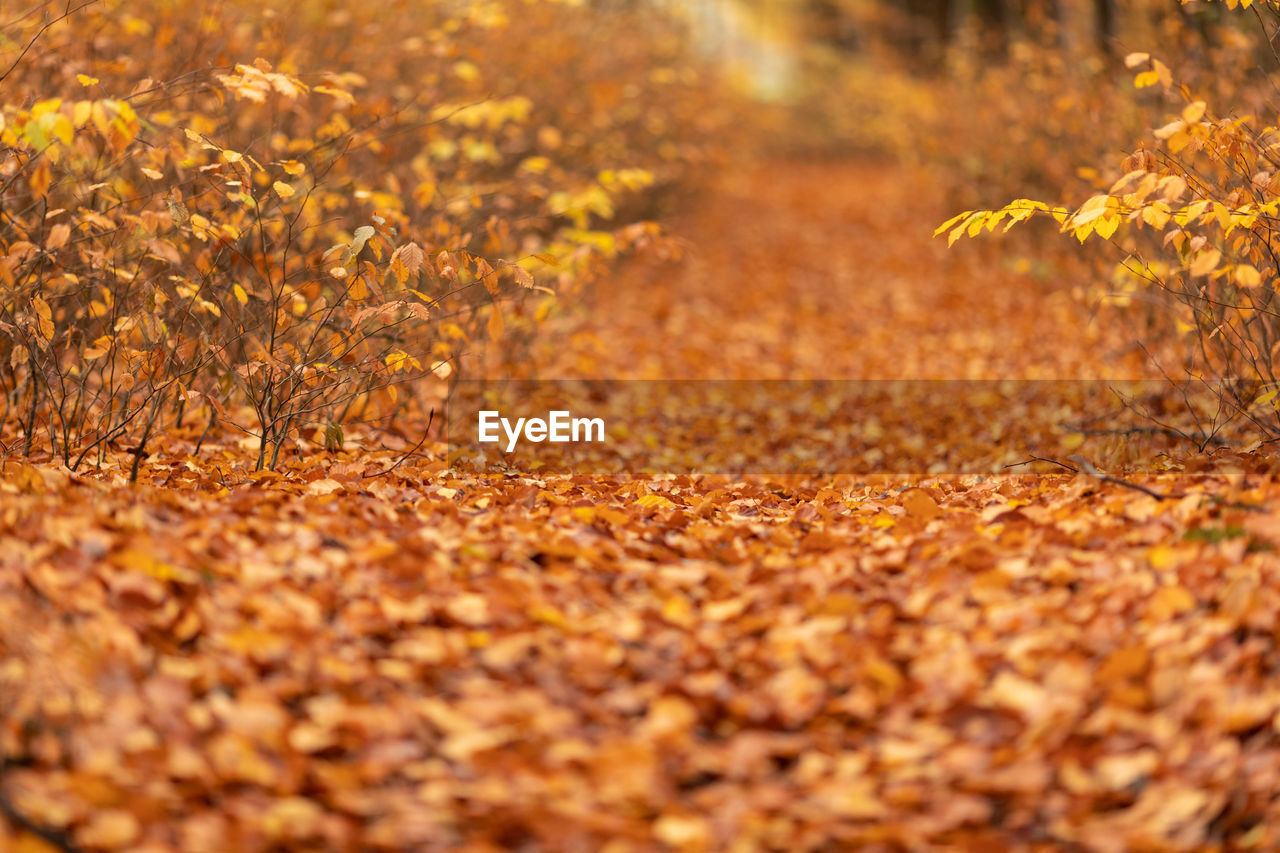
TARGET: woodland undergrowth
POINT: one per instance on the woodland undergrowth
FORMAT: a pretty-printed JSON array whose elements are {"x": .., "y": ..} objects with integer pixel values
[{"x": 283, "y": 224}]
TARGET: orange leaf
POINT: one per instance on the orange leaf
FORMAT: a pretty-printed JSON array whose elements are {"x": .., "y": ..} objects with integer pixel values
[{"x": 495, "y": 325}]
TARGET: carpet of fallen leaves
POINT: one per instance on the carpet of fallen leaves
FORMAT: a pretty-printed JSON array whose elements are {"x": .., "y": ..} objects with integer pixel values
[{"x": 338, "y": 656}]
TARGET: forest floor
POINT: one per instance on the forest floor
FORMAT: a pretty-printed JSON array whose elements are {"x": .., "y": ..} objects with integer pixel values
[{"x": 340, "y": 656}]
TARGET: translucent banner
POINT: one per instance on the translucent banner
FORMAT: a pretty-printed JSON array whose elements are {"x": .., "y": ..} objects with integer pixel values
[{"x": 827, "y": 427}]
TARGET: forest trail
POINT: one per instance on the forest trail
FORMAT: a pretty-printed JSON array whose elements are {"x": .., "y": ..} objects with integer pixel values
[
  {"x": 360, "y": 653},
  {"x": 827, "y": 270}
]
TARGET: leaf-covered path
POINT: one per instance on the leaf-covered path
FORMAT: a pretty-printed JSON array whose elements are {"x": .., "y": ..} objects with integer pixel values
[
  {"x": 827, "y": 270},
  {"x": 328, "y": 658}
]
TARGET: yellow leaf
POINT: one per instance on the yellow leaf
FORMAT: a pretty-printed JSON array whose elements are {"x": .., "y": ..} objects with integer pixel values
[
  {"x": 282, "y": 189},
  {"x": 63, "y": 129},
  {"x": 1135, "y": 59},
  {"x": 678, "y": 611},
  {"x": 950, "y": 222},
  {"x": 1193, "y": 112},
  {"x": 536, "y": 165},
  {"x": 241, "y": 296},
  {"x": 293, "y": 167},
  {"x": 466, "y": 70},
  {"x": 1107, "y": 225},
  {"x": 1170, "y": 130},
  {"x": 548, "y": 615},
  {"x": 86, "y": 80},
  {"x": 1164, "y": 557},
  {"x": 1266, "y": 399},
  {"x": 1223, "y": 214},
  {"x": 340, "y": 94},
  {"x": 358, "y": 289},
  {"x": 1248, "y": 276},
  {"x": 45, "y": 107},
  {"x": 1156, "y": 214},
  {"x": 1206, "y": 262},
  {"x": 1129, "y": 178},
  {"x": 94, "y": 352},
  {"x": 398, "y": 268},
  {"x": 1145, "y": 79},
  {"x": 1091, "y": 210},
  {"x": 1191, "y": 212}
]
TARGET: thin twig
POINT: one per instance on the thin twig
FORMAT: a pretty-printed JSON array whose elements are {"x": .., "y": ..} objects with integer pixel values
[
  {"x": 1141, "y": 430},
  {"x": 1088, "y": 468},
  {"x": 68, "y": 12},
  {"x": 425, "y": 434},
  {"x": 1029, "y": 460}
]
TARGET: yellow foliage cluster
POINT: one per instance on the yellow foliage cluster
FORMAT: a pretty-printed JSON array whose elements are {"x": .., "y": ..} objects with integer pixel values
[
  {"x": 270, "y": 220},
  {"x": 1196, "y": 218}
]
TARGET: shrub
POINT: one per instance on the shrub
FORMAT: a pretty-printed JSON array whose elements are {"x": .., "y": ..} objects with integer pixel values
[
  {"x": 1195, "y": 220},
  {"x": 240, "y": 218}
]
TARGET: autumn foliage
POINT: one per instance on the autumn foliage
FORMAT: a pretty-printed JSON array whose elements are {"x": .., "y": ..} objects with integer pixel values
[
  {"x": 251, "y": 601},
  {"x": 264, "y": 221},
  {"x": 1193, "y": 218}
]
